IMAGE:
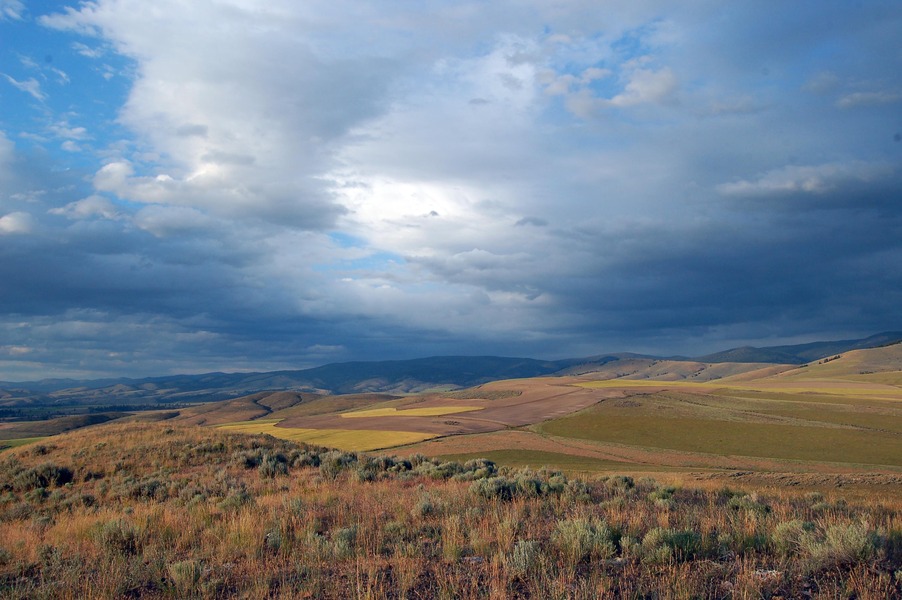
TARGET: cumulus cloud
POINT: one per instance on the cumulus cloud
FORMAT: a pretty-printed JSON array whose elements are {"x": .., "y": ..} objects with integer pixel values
[
  {"x": 283, "y": 186},
  {"x": 232, "y": 113},
  {"x": 647, "y": 86},
  {"x": 92, "y": 206},
  {"x": 16, "y": 223}
]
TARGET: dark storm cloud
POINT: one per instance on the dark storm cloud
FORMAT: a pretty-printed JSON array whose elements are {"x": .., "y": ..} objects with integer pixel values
[{"x": 286, "y": 186}]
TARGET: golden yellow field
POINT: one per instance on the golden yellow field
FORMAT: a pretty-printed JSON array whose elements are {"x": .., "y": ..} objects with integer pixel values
[{"x": 344, "y": 439}]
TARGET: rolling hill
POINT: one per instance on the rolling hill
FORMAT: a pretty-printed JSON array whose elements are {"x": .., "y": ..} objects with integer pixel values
[
  {"x": 405, "y": 376},
  {"x": 801, "y": 353}
]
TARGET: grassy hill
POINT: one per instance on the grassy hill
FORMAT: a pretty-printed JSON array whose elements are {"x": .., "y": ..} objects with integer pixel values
[
  {"x": 802, "y": 353},
  {"x": 395, "y": 376},
  {"x": 57, "y": 426},
  {"x": 162, "y": 511}
]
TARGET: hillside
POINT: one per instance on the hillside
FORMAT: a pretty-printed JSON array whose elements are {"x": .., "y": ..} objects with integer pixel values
[
  {"x": 801, "y": 353},
  {"x": 875, "y": 364},
  {"x": 274, "y": 405},
  {"x": 397, "y": 376},
  {"x": 161, "y": 511},
  {"x": 673, "y": 370},
  {"x": 56, "y": 426}
]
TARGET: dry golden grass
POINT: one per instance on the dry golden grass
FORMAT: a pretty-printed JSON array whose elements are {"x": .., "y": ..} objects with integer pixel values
[{"x": 170, "y": 512}]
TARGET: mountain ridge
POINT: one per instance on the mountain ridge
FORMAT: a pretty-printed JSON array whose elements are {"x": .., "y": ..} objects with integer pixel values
[{"x": 394, "y": 376}]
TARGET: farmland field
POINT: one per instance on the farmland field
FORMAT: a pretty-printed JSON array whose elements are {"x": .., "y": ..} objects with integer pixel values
[
  {"x": 743, "y": 438},
  {"x": 431, "y": 411},
  {"x": 830, "y": 420},
  {"x": 827, "y": 417},
  {"x": 838, "y": 419},
  {"x": 16, "y": 442},
  {"x": 345, "y": 439}
]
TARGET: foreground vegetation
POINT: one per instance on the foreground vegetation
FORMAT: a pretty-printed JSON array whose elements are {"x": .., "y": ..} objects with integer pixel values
[{"x": 158, "y": 511}]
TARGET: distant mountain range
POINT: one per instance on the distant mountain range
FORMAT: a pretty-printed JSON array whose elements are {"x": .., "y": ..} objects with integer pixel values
[
  {"x": 799, "y": 354},
  {"x": 396, "y": 376}
]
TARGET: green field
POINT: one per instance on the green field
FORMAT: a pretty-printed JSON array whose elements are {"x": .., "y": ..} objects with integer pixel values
[
  {"x": 832, "y": 426},
  {"x": 16, "y": 442}
]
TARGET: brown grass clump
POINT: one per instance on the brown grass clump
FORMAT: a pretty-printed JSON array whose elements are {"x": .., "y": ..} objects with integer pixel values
[{"x": 149, "y": 510}]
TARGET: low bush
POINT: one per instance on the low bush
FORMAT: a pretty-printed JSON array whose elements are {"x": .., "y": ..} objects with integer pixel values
[
  {"x": 42, "y": 476},
  {"x": 120, "y": 537},
  {"x": 581, "y": 538},
  {"x": 272, "y": 465},
  {"x": 524, "y": 558}
]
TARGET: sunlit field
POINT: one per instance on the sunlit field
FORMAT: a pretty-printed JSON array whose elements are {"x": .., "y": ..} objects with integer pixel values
[
  {"x": 344, "y": 439},
  {"x": 833, "y": 421}
]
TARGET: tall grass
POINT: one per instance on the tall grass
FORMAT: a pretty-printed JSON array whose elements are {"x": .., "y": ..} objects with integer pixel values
[{"x": 154, "y": 511}]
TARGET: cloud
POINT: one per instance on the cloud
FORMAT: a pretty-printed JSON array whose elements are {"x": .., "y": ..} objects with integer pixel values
[
  {"x": 167, "y": 220},
  {"x": 11, "y": 9},
  {"x": 87, "y": 51},
  {"x": 92, "y": 206},
  {"x": 16, "y": 223},
  {"x": 15, "y": 350},
  {"x": 857, "y": 99},
  {"x": 277, "y": 186},
  {"x": 30, "y": 86},
  {"x": 816, "y": 180},
  {"x": 189, "y": 130},
  {"x": 647, "y": 86},
  {"x": 64, "y": 130},
  {"x": 534, "y": 221},
  {"x": 643, "y": 86}
]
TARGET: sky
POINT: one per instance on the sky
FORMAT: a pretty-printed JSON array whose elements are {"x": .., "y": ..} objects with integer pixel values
[{"x": 232, "y": 185}]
